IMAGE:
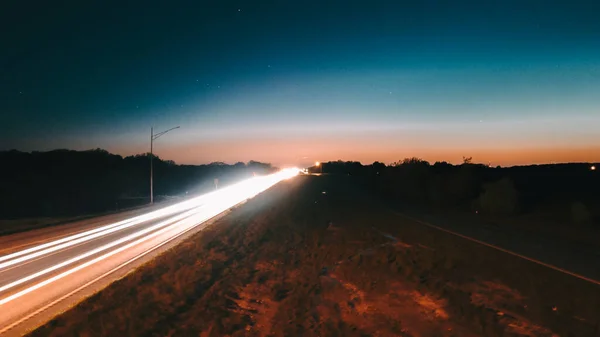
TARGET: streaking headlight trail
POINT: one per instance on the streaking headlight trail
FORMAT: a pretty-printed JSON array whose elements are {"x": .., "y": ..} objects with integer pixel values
[{"x": 27, "y": 270}]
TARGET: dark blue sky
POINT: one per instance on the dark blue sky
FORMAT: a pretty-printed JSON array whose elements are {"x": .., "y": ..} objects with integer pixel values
[{"x": 368, "y": 80}]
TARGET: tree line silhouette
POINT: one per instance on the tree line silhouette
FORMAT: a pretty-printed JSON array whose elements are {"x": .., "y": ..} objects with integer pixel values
[
  {"x": 67, "y": 182},
  {"x": 498, "y": 191}
]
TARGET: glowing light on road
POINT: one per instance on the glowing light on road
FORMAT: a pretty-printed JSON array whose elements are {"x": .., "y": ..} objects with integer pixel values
[
  {"x": 104, "y": 229},
  {"x": 96, "y": 251},
  {"x": 57, "y": 245},
  {"x": 89, "y": 263},
  {"x": 191, "y": 214}
]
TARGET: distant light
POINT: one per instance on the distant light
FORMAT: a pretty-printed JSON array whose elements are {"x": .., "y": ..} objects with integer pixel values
[
  {"x": 593, "y": 168},
  {"x": 317, "y": 163}
]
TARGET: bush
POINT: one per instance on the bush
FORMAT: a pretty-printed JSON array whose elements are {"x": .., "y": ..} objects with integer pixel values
[
  {"x": 580, "y": 213},
  {"x": 464, "y": 184},
  {"x": 438, "y": 196},
  {"x": 499, "y": 198}
]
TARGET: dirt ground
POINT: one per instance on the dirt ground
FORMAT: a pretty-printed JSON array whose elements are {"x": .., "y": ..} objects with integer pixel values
[{"x": 314, "y": 256}]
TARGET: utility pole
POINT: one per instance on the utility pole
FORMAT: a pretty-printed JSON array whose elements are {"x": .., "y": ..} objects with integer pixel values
[
  {"x": 152, "y": 138},
  {"x": 151, "y": 166}
]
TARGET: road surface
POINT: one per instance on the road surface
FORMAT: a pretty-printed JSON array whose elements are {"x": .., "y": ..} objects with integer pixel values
[{"x": 44, "y": 274}]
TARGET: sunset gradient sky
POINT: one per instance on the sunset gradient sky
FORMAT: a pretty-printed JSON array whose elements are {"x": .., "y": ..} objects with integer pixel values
[{"x": 506, "y": 82}]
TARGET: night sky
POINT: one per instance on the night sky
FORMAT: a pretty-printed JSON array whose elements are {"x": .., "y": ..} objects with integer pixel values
[{"x": 291, "y": 82}]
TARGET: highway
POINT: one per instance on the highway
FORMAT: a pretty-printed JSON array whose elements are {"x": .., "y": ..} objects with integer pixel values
[{"x": 42, "y": 276}]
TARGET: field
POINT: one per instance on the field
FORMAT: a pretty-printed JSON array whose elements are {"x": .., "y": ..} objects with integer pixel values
[{"x": 315, "y": 256}]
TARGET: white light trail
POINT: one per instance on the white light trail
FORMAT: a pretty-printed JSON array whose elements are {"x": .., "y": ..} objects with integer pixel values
[
  {"x": 89, "y": 263},
  {"x": 104, "y": 230},
  {"x": 214, "y": 203},
  {"x": 68, "y": 244},
  {"x": 97, "y": 250},
  {"x": 118, "y": 225},
  {"x": 55, "y": 242}
]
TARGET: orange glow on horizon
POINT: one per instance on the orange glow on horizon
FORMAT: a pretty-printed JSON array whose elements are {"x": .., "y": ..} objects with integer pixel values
[{"x": 303, "y": 152}]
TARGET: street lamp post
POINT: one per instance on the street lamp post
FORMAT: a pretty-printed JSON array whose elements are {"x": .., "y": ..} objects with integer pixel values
[
  {"x": 318, "y": 164},
  {"x": 152, "y": 138}
]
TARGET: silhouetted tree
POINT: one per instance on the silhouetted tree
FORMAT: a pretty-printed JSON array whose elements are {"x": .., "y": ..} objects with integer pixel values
[
  {"x": 499, "y": 198},
  {"x": 378, "y": 167},
  {"x": 580, "y": 213},
  {"x": 411, "y": 161},
  {"x": 65, "y": 182}
]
